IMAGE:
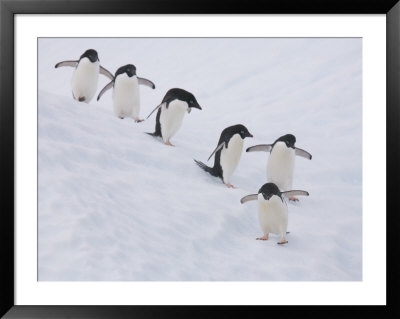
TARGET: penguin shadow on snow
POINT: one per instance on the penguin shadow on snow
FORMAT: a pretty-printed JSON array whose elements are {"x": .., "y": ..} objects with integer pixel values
[
  {"x": 126, "y": 96},
  {"x": 227, "y": 153},
  {"x": 85, "y": 75},
  {"x": 272, "y": 210},
  {"x": 170, "y": 113}
]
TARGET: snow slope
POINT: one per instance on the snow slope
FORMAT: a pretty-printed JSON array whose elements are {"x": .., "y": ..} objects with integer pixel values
[{"x": 117, "y": 204}]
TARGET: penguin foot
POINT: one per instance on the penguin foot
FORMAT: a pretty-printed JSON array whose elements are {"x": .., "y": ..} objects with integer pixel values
[
  {"x": 81, "y": 99},
  {"x": 121, "y": 117},
  {"x": 294, "y": 199},
  {"x": 282, "y": 242},
  {"x": 169, "y": 143},
  {"x": 230, "y": 186},
  {"x": 265, "y": 237},
  {"x": 138, "y": 120}
]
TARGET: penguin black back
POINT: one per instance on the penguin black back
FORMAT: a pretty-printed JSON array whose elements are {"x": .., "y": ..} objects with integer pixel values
[
  {"x": 157, "y": 132},
  {"x": 182, "y": 95}
]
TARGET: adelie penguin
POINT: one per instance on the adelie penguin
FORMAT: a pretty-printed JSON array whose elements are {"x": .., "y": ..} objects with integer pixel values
[
  {"x": 272, "y": 210},
  {"x": 171, "y": 112},
  {"x": 227, "y": 153},
  {"x": 280, "y": 165},
  {"x": 126, "y": 98},
  {"x": 85, "y": 76}
]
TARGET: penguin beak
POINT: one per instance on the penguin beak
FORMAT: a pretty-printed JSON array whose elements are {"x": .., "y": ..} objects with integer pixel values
[
  {"x": 249, "y": 135},
  {"x": 197, "y": 106},
  {"x": 266, "y": 197}
]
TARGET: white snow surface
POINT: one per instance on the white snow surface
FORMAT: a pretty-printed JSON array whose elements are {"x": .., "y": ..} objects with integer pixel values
[{"x": 115, "y": 204}]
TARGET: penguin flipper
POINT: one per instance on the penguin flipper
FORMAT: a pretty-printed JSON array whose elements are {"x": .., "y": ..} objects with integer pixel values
[
  {"x": 295, "y": 193},
  {"x": 154, "y": 110},
  {"x": 302, "y": 153},
  {"x": 106, "y": 73},
  {"x": 249, "y": 198},
  {"x": 216, "y": 150},
  {"x": 146, "y": 82},
  {"x": 260, "y": 148},
  {"x": 106, "y": 88},
  {"x": 67, "y": 63}
]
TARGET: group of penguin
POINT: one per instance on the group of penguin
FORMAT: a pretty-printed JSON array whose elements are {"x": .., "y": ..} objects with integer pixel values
[{"x": 272, "y": 208}]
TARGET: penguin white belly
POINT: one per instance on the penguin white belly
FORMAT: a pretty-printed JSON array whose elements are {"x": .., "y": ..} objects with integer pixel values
[
  {"x": 230, "y": 157},
  {"x": 84, "y": 79},
  {"x": 272, "y": 215},
  {"x": 126, "y": 96},
  {"x": 280, "y": 166},
  {"x": 171, "y": 118}
]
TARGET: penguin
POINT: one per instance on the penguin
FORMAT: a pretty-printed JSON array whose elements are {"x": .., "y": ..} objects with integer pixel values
[
  {"x": 227, "y": 153},
  {"x": 126, "y": 97},
  {"x": 85, "y": 76},
  {"x": 272, "y": 210},
  {"x": 280, "y": 165},
  {"x": 171, "y": 112}
]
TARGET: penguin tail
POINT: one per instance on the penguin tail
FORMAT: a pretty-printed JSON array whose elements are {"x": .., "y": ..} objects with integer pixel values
[
  {"x": 155, "y": 134},
  {"x": 205, "y": 167}
]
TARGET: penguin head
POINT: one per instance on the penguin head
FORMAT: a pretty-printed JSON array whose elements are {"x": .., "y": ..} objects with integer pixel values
[
  {"x": 182, "y": 95},
  {"x": 268, "y": 190},
  {"x": 193, "y": 103},
  {"x": 129, "y": 69},
  {"x": 288, "y": 139},
  {"x": 91, "y": 55},
  {"x": 241, "y": 130}
]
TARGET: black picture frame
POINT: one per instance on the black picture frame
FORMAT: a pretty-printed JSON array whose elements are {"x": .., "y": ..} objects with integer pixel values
[{"x": 9, "y": 8}]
